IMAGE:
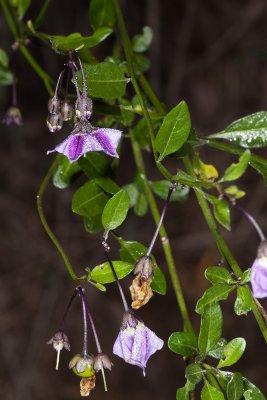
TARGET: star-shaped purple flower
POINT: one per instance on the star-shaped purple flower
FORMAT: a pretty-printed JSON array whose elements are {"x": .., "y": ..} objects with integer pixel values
[
  {"x": 136, "y": 343},
  {"x": 85, "y": 138}
]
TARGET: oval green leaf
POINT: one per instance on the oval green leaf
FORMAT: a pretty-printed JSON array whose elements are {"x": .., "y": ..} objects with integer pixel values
[
  {"x": 235, "y": 387},
  {"x": 89, "y": 200},
  {"x": 159, "y": 284},
  {"x": 210, "y": 328},
  {"x": 236, "y": 170},
  {"x": 243, "y": 301},
  {"x": 232, "y": 352},
  {"x": 174, "y": 130},
  {"x": 183, "y": 343},
  {"x": 103, "y": 274},
  {"x": 193, "y": 373},
  {"x": 115, "y": 210},
  {"x": 209, "y": 392},
  {"x": 218, "y": 292},
  {"x": 218, "y": 275}
]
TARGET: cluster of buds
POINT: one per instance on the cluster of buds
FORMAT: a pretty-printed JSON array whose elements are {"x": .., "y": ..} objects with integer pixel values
[
  {"x": 84, "y": 365},
  {"x": 60, "y": 110},
  {"x": 84, "y": 137}
]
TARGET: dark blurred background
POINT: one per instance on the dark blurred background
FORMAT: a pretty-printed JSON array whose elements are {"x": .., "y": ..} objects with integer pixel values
[{"x": 211, "y": 54}]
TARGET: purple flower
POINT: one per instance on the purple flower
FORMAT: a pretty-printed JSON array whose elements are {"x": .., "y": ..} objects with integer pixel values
[
  {"x": 85, "y": 138},
  {"x": 135, "y": 342},
  {"x": 259, "y": 272},
  {"x": 12, "y": 116}
]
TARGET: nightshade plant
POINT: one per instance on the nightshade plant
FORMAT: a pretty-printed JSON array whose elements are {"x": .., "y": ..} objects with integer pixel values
[{"x": 117, "y": 90}]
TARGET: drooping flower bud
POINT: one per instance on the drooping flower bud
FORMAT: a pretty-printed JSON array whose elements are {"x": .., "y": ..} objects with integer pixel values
[
  {"x": 259, "y": 272},
  {"x": 82, "y": 365},
  {"x": 12, "y": 116},
  {"x": 102, "y": 361},
  {"x": 66, "y": 110},
  {"x": 83, "y": 107},
  {"x": 54, "y": 105},
  {"x": 145, "y": 267},
  {"x": 54, "y": 122},
  {"x": 59, "y": 341}
]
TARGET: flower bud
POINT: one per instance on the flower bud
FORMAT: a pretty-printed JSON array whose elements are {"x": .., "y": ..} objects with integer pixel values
[
  {"x": 102, "y": 361},
  {"x": 60, "y": 340},
  {"x": 129, "y": 320},
  {"x": 84, "y": 107},
  {"x": 53, "y": 105},
  {"x": 12, "y": 116},
  {"x": 66, "y": 110},
  {"x": 144, "y": 267},
  {"x": 54, "y": 122},
  {"x": 82, "y": 365}
]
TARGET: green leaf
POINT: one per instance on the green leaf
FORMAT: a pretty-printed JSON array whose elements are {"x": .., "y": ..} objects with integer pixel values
[
  {"x": 89, "y": 200},
  {"x": 235, "y": 387},
  {"x": 252, "y": 392},
  {"x": 236, "y": 170},
  {"x": 93, "y": 224},
  {"x": 232, "y": 352},
  {"x": 94, "y": 164},
  {"x": 103, "y": 274},
  {"x": 185, "y": 179},
  {"x": 142, "y": 42},
  {"x": 183, "y": 343},
  {"x": 218, "y": 275},
  {"x": 105, "y": 80},
  {"x": 221, "y": 211},
  {"x": 246, "y": 276},
  {"x": 174, "y": 130},
  {"x": 217, "y": 352},
  {"x": 218, "y": 292},
  {"x": 159, "y": 284},
  {"x": 6, "y": 76},
  {"x": 101, "y": 13},
  {"x": 209, "y": 392},
  {"x": 249, "y": 131},
  {"x": 115, "y": 210},
  {"x": 260, "y": 165},
  {"x": 4, "y": 61},
  {"x": 210, "y": 328},
  {"x": 161, "y": 188},
  {"x": 182, "y": 394},
  {"x": 193, "y": 373},
  {"x": 243, "y": 301},
  {"x": 132, "y": 191},
  {"x": 131, "y": 251},
  {"x": 75, "y": 41},
  {"x": 107, "y": 184},
  {"x": 141, "y": 205},
  {"x": 65, "y": 173},
  {"x": 234, "y": 193}
]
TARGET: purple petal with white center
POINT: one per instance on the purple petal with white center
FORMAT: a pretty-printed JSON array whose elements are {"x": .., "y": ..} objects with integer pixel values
[
  {"x": 109, "y": 140},
  {"x": 136, "y": 345},
  {"x": 259, "y": 277},
  {"x": 75, "y": 145}
]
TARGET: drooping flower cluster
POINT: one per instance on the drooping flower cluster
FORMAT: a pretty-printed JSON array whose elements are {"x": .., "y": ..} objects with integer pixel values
[{"x": 84, "y": 137}]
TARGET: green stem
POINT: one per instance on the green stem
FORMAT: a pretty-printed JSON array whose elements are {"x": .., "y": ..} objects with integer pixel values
[
  {"x": 47, "y": 228},
  {"x": 128, "y": 54},
  {"x": 147, "y": 88},
  {"x": 163, "y": 235},
  {"x": 9, "y": 18},
  {"x": 223, "y": 247},
  {"x": 38, "y": 69}
]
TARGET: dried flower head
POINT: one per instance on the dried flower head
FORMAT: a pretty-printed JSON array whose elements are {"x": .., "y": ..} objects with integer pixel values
[
  {"x": 259, "y": 272},
  {"x": 141, "y": 291},
  {"x": 12, "y": 116},
  {"x": 59, "y": 341},
  {"x": 136, "y": 343},
  {"x": 86, "y": 385}
]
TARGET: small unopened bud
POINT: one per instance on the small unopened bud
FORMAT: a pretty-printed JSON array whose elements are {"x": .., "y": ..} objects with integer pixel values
[
  {"x": 66, "y": 110},
  {"x": 53, "y": 105},
  {"x": 59, "y": 340},
  {"x": 102, "y": 361},
  {"x": 82, "y": 365},
  {"x": 145, "y": 268},
  {"x": 54, "y": 122},
  {"x": 129, "y": 320},
  {"x": 84, "y": 107},
  {"x": 12, "y": 116}
]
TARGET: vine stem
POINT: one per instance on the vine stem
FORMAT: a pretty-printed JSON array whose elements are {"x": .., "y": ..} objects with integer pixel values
[
  {"x": 47, "y": 80},
  {"x": 164, "y": 237},
  {"x": 45, "y": 224},
  {"x": 223, "y": 247}
]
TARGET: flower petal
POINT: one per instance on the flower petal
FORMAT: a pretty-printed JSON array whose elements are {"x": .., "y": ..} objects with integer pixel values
[
  {"x": 259, "y": 278},
  {"x": 109, "y": 140}
]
